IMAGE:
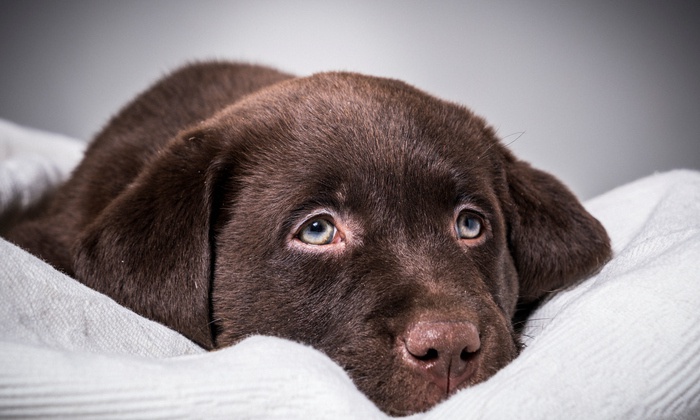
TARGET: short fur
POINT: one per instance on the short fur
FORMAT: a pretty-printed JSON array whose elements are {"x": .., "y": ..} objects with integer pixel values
[{"x": 188, "y": 205}]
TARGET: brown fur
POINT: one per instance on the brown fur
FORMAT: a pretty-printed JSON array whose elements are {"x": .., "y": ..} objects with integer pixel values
[{"x": 187, "y": 209}]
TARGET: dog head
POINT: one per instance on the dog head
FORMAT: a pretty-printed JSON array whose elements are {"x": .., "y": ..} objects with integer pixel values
[{"x": 359, "y": 215}]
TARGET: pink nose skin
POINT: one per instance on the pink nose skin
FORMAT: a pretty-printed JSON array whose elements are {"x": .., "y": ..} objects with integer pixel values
[{"x": 442, "y": 351}]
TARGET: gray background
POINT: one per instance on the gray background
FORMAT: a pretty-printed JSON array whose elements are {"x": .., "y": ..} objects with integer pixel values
[{"x": 605, "y": 92}]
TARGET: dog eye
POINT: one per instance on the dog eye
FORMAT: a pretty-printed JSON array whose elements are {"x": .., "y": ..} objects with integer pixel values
[
  {"x": 468, "y": 226},
  {"x": 318, "y": 232}
]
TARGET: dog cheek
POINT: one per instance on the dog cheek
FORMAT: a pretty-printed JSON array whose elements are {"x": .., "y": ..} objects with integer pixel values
[
  {"x": 503, "y": 282},
  {"x": 282, "y": 295}
]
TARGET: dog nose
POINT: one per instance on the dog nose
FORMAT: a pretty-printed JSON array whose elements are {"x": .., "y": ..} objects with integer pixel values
[{"x": 443, "y": 351}]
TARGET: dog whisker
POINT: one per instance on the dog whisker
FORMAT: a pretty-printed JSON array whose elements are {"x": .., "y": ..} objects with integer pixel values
[{"x": 518, "y": 134}]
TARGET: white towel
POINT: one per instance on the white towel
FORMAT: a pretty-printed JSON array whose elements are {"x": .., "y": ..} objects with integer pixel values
[{"x": 624, "y": 344}]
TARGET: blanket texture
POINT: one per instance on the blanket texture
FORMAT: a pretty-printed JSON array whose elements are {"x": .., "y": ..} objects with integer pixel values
[{"x": 624, "y": 344}]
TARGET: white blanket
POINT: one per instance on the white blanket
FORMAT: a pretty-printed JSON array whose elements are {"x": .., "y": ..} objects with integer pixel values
[{"x": 625, "y": 344}]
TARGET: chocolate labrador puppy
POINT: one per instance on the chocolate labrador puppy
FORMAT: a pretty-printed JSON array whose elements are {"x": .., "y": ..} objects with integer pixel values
[{"x": 383, "y": 226}]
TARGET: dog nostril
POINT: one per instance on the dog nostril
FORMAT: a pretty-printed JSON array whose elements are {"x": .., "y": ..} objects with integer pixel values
[
  {"x": 429, "y": 355},
  {"x": 467, "y": 355}
]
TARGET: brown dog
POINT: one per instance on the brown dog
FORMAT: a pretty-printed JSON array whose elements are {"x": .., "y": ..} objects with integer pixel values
[{"x": 383, "y": 226}]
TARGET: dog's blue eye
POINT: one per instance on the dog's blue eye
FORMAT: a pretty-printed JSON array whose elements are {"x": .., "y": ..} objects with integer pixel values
[
  {"x": 468, "y": 226},
  {"x": 318, "y": 232}
]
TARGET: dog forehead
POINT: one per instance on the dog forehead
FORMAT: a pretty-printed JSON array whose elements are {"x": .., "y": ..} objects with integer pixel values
[
  {"x": 355, "y": 106},
  {"x": 351, "y": 135},
  {"x": 373, "y": 175},
  {"x": 363, "y": 120}
]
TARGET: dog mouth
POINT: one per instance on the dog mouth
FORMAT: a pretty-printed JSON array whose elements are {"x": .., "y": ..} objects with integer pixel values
[
  {"x": 427, "y": 364},
  {"x": 421, "y": 392},
  {"x": 416, "y": 383},
  {"x": 439, "y": 387}
]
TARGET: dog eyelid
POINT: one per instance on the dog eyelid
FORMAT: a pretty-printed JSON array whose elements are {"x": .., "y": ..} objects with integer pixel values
[
  {"x": 469, "y": 225},
  {"x": 318, "y": 231}
]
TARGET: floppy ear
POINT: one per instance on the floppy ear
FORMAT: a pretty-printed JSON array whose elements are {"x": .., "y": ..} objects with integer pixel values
[
  {"x": 151, "y": 249},
  {"x": 554, "y": 241}
]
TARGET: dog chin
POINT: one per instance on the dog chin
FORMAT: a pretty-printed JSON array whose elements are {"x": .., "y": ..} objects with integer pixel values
[
  {"x": 412, "y": 395},
  {"x": 409, "y": 392}
]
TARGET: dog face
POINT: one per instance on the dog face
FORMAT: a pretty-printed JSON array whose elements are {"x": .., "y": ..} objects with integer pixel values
[
  {"x": 367, "y": 241},
  {"x": 358, "y": 215}
]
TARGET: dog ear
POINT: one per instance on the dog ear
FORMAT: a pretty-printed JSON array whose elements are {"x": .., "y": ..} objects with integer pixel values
[
  {"x": 151, "y": 249},
  {"x": 554, "y": 241}
]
